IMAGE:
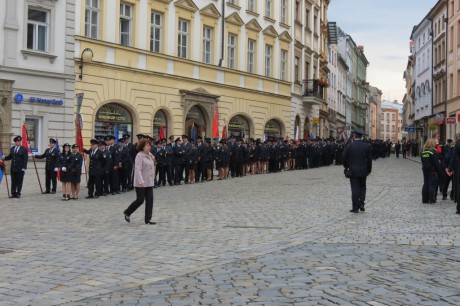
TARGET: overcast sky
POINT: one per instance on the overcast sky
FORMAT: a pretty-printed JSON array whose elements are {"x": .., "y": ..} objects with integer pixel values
[{"x": 383, "y": 27}]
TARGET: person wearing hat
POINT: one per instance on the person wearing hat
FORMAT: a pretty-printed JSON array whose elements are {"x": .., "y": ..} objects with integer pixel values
[
  {"x": 132, "y": 153},
  {"x": 105, "y": 178},
  {"x": 179, "y": 154},
  {"x": 19, "y": 157},
  {"x": 171, "y": 158},
  {"x": 75, "y": 170},
  {"x": 114, "y": 150},
  {"x": 96, "y": 170},
  {"x": 187, "y": 147},
  {"x": 51, "y": 156},
  {"x": 124, "y": 165},
  {"x": 357, "y": 161},
  {"x": 65, "y": 165}
]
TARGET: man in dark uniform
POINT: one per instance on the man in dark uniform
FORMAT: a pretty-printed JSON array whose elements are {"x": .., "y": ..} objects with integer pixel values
[
  {"x": 125, "y": 164},
  {"x": 113, "y": 148},
  {"x": 129, "y": 170},
  {"x": 179, "y": 154},
  {"x": 357, "y": 158},
  {"x": 19, "y": 157},
  {"x": 51, "y": 166},
  {"x": 239, "y": 157},
  {"x": 171, "y": 157},
  {"x": 105, "y": 178},
  {"x": 187, "y": 147},
  {"x": 199, "y": 158},
  {"x": 96, "y": 169}
]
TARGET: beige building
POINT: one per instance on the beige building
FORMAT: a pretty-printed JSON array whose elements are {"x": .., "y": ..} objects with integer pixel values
[
  {"x": 391, "y": 121},
  {"x": 159, "y": 63},
  {"x": 453, "y": 67},
  {"x": 375, "y": 102}
]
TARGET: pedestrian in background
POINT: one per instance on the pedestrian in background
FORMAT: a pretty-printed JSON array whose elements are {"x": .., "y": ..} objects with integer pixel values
[
  {"x": 357, "y": 159},
  {"x": 397, "y": 149},
  {"x": 51, "y": 156},
  {"x": 65, "y": 165},
  {"x": 144, "y": 181},
  {"x": 19, "y": 157},
  {"x": 431, "y": 167},
  {"x": 454, "y": 171}
]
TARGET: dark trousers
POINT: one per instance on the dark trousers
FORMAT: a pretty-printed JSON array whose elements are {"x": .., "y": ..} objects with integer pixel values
[
  {"x": 239, "y": 168},
  {"x": 198, "y": 172},
  {"x": 16, "y": 182},
  {"x": 105, "y": 183},
  {"x": 358, "y": 192},
  {"x": 404, "y": 153},
  {"x": 123, "y": 176},
  {"x": 129, "y": 176},
  {"x": 233, "y": 167},
  {"x": 50, "y": 179},
  {"x": 430, "y": 184},
  {"x": 114, "y": 183},
  {"x": 179, "y": 169},
  {"x": 186, "y": 169},
  {"x": 447, "y": 180},
  {"x": 142, "y": 194},
  {"x": 94, "y": 182}
]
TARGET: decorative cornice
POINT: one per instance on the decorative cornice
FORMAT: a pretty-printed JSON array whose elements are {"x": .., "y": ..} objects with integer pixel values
[
  {"x": 234, "y": 18},
  {"x": 211, "y": 11},
  {"x": 253, "y": 25},
  {"x": 187, "y": 4},
  {"x": 270, "y": 31}
]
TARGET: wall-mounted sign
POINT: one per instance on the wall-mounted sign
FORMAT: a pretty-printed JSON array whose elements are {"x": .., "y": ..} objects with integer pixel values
[
  {"x": 113, "y": 113},
  {"x": 19, "y": 98},
  {"x": 451, "y": 120}
]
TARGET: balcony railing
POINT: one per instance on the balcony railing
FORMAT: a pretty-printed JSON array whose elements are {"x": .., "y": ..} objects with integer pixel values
[{"x": 312, "y": 88}]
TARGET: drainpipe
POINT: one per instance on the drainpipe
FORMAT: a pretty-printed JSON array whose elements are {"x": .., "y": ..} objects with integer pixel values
[{"x": 223, "y": 34}]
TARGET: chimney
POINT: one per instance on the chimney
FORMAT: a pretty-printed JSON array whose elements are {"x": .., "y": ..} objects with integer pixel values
[{"x": 361, "y": 47}]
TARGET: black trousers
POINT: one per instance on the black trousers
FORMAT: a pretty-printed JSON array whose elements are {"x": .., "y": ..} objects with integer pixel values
[
  {"x": 179, "y": 169},
  {"x": 16, "y": 182},
  {"x": 94, "y": 182},
  {"x": 105, "y": 183},
  {"x": 358, "y": 192},
  {"x": 50, "y": 179},
  {"x": 129, "y": 176},
  {"x": 430, "y": 184},
  {"x": 233, "y": 167},
  {"x": 142, "y": 194},
  {"x": 198, "y": 172},
  {"x": 114, "y": 183}
]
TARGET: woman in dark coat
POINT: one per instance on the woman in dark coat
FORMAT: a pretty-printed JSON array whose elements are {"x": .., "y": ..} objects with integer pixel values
[
  {"x": 454, "y": 171},
  {"x": 65, "y": 166},
  {"x": 77, "y": 162}
]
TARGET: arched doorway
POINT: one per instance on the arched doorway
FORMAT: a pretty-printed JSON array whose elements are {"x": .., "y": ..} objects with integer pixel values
[
  {"x": 297, "y": 133},
  {"x": 113, "y": 119},
  {"x": 239, "y": 127},
  {"x": 195, "y": 123},
  {"x": 160, "y": 120},
  {"x": 307, "y": 128},
  {"x": 272, "y": 129}
]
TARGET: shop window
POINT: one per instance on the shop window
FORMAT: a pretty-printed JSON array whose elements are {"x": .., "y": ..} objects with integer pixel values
[
  {"x": 113, "y": 119},
  {"x": 160, "y": 122},
  {"x": 33, "y": 132},
  {"x": 272, "y": 129},
  {"x": 239, "y": 127}
]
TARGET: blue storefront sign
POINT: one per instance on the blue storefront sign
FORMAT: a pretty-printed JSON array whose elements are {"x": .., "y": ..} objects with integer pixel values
[
  {"x": 19, "y": 98},
  {"x": 410, "y": 129}
]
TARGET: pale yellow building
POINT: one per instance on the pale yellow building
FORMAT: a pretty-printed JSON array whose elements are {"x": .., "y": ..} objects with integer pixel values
[{"x": 162, "y": 63}]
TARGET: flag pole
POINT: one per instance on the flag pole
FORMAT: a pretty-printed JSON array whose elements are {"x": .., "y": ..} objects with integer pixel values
[
  {"x": 36, "y": 171},
  {"x": 6, "y": 176},
  {"x": 26, "y": 136},
  {"x": 84, "y": 165}
]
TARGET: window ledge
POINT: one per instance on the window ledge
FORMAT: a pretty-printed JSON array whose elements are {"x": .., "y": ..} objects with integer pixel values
[
  {"x": 236, "y": 7},
  {"x": 252, "y": 13},
  {"x": 284, "y": 25},
  {"x": 297, "y": 22},
  {"x": 269, "y": 19},
  {"x": 27, "y": 53}
]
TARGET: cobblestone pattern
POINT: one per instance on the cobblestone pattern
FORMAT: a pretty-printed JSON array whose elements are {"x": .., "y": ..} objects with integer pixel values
[{"x": 278, "y": 239}]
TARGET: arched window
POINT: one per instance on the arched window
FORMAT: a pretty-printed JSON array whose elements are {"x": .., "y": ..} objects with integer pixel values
[
  {"x": 160, "y": 122},
  {"x": 238, "y": 126},
  {"x": 113, "y": 119},
  {"x": 272, "y": 129}
]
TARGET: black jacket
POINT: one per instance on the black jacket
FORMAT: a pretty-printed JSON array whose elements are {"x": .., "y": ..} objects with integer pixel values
[
  {"x": 19, "y": 159},
  {"x": 357, "y": 157},
  {"x": 52, "y": 158}
]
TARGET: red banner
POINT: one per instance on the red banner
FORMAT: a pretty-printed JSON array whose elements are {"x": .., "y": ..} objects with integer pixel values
[
  {"x": 25, "y": 139},
  {"x": 215, "y": 124},
  {"x": 79, "y": 137}
]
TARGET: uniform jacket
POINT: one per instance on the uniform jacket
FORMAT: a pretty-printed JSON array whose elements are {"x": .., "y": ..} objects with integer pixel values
[
  {"x": 144, "y": 171},
  {"x": 19, "y": 159},
  {"x": 65, "y": 161},
  {"x": 77, "y": 162},
  {"x": 96, "y": 162},
  {"x": 430, "y": 161},
  {"x": 52, "y": 157},
  {"x": 358, "y": 157}
]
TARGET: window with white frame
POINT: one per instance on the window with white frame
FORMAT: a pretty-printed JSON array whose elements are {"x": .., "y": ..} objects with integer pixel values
[
  {"x": 268, "y": 60},
  {"x": 183, "y": 38},
  {"x": 252, "y": 5},
  {"x": 284, "y": 11},
  {"x": 126, "y": 14},
  {"x": 232, "y": 51},
  {"x": 92, "y": 19},
  {"x": 283, "y": 65},
  {"x": 155, "y": 33},
  {"x": 207, "y": 45},
  {"x": 296, "y": 69},
  {"x": 268, "y": 8},
  {"x": 235, "y": 2},
  {"x": 37, "y": 29},
  {"x": 251, "y": 55}
]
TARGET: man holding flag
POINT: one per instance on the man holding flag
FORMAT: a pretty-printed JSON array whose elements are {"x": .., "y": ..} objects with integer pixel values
[
  {"x": 19, "y": 157},
  {"x": 51, "y": 167}
]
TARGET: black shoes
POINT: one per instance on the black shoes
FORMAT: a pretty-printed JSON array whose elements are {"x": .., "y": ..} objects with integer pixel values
[
  {"x": 53, "y": 191},
  {"x": 150, "y": 222},
  {"x": 444, "y": 198},
  {"x": 127, "y": 219},
  {"x": 354, "y": 211},
  {"x": 89, "y": 197},
  {"x": 47, "y": 192},
  {"x": 362, "y": 209}
]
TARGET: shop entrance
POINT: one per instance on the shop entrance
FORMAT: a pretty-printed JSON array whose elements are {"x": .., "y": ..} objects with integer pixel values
[
  {"x": 195, "y": 123},
  {"x": 113, "y": 119}
]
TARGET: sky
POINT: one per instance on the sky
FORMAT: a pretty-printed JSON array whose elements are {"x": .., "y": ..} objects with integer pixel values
[{"x": 383, "y": 27}]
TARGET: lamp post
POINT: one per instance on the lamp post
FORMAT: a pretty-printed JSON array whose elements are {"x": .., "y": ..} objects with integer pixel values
[{"x": 86, "y": 57}]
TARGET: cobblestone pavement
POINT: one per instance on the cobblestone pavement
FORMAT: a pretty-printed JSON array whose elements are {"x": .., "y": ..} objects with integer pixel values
[{"x": 278, "y": 239}]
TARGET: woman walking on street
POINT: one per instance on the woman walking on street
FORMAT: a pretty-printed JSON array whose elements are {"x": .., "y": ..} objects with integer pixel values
[{"x": 144, "y": 181}]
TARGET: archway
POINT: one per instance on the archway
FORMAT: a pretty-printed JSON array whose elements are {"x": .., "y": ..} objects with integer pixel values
[
  {"x": 272, "y": 129},
  {"x": 113, "y": 119},
  {"x": 160, "y": 120},
  {"x": 239, "y": 126},
  {"x": 195, "y": 123}
]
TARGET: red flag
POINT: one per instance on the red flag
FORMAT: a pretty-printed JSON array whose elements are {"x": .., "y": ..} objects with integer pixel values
[
  {"x": 59, "y": 174},
  {"x": 79, "y": 137},
  {"x": 162, "y": 132},
  {"x": 215, "y": 124},
  {"x": 224, "y": 132},
  {"x": 25, "y": 139}
]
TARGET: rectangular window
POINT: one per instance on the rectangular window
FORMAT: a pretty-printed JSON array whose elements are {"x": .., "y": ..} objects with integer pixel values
[
  {"x": 283, "y": 11},
  {"x": 207, "y": 45},
  {"x": 315, "y": 24},
  {"x": 126, "y": 12},
  {"x": 37, "y": 29},
  {"x": 232, "y": 51},
  {"x": 451, "y": 38},
  {"x": 182, "y": 39},
  {"x": 307, "y": 19},
  {"x": 283, "y": 65},
  {"x": 451, "y": 86},
  {"x": 233, "y": 2},
  {"x": 297, "y": 10},
  {"x": 155, "y": 32},
  {"x": 92, "y": 19},
  {"x": 252, "y": 5},
  {"x": 268, "y": 8},
  {"x": 33, "y": 125},
  {"x": 296, "y": 69},
  {"x": 251, "y": 55},
  {"x": 268, "y": 60}
]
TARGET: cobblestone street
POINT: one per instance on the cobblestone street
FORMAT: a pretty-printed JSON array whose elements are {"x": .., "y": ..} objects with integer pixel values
[{"x": 277, "y": 239}]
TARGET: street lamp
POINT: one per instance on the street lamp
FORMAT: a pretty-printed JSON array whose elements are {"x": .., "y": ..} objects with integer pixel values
[{"x": 86, "y": 57}]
